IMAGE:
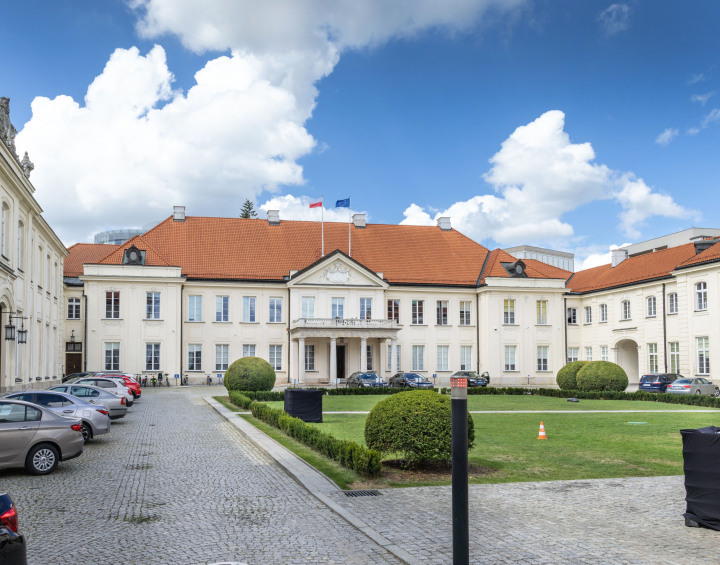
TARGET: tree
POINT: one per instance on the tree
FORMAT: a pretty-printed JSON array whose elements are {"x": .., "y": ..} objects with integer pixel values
[{"x": 248, "y": 210}]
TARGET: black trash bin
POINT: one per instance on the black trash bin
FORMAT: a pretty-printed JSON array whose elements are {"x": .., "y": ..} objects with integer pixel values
[
  {"x": 305, "y": 404},
  {"x": 701, "y": 457}
]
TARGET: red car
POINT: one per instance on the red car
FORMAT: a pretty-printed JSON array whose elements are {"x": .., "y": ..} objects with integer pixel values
[{"x": 129, "y": 382}]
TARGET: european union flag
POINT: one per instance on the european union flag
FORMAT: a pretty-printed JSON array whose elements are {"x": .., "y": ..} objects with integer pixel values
[{"x": 343, "y": 203}]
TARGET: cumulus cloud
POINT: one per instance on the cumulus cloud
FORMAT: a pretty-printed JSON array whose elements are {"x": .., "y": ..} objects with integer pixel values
[
  {"x": 614, "y": 19},
  {"x": 702, "y": 98},
  {"x": 538, "y": 176},
  {"x": 666, "y": 136},
  {"x": 297, "y": 208}
]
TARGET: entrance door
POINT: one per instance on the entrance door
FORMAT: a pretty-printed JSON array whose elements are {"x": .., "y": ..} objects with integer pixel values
[
  {"x": 340, "y": 356},
  {"x": 72, "y": 363}
]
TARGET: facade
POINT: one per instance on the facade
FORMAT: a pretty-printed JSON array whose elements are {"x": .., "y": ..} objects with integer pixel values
[
  {"x": 31, "y": 270},
  {"x": 559, "y": 259},
  {"x": 671, "y": 240}
]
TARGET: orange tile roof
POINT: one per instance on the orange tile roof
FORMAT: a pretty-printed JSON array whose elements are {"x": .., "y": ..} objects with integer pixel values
[
  {"x": 152, "y": 257},
  {"x": 82, "y": 253},
  {"x": 711, "y": 254},
  {"x": 533, "y": 268},
  {"x": 547, "y": 271}
]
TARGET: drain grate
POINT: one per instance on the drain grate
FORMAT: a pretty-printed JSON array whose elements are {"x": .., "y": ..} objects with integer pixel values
[{"x": 355, "y": 493}]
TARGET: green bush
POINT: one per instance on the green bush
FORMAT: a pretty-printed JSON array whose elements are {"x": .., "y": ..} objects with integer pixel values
[
  {"x": 239, "y": 399},
  {"x": 602, "y": 376},
  {"x": 250, "y": 374},
  {"x": 415, "y": 424},
  {"x": 567, "y": 376}
]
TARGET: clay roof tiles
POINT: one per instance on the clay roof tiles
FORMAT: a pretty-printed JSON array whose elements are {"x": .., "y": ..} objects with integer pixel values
[
  {"x": 709, "y": 255},
  {"x": 82, "y": 253}
]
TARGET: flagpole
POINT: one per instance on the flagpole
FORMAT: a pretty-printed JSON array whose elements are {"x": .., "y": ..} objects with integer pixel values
[
  {"x": 349, "y": 230},
  {"x": 322, "y": 222}
]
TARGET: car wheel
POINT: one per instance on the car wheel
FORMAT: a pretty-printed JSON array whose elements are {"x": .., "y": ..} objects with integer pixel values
[
  {"x": 130, "y": 403},
  {"x": 698, "y": 393},
  {"x": 86, "y": 432},
  {"x": 42, "y": 459},
  {"x": 134, "y": 395},
  {"x": 717, "y": 392}
]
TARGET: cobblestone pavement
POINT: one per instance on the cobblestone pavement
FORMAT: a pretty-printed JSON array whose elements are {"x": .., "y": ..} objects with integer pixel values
[
  {"x": 174, "y": 483},
  {"x": 609, "y": 521}
]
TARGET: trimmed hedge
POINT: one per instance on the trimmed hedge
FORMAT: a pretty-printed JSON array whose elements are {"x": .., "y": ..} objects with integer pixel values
[
  {"x": 567, "y": 376},
  {"x": 601, "y": 376},
  {"x": 240, "y": 399},
  {"x": 263, "y": 395},
  {"x": 416, "y": 424},
  {"x": 365, "y": 391},
  {"x": 250, "y": 373}
]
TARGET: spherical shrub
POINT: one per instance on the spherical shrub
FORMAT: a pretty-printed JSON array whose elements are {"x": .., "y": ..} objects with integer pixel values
[
  {"x": 602, "y": 375},
  {"x": 567, "y": 376},
  {"x": 415, "y": 424},
  {"x": 250, "y": 373}
]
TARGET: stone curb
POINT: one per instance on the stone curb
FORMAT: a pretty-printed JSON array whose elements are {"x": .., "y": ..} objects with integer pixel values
[{"x": 313, "y": 480}]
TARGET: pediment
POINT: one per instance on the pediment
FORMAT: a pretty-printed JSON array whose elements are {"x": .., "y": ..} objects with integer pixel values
[{"x": 337, "y": 269}]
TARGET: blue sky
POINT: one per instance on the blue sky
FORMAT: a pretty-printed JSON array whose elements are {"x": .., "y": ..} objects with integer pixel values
[{"x": 395, "y": 107}]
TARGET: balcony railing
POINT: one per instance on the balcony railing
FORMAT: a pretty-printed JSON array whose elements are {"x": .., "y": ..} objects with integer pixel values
[{"x": 353, "y": 323}]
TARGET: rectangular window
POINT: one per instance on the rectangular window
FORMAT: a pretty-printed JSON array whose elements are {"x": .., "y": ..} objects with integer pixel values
[
  {"x": 652, "y": 358},
  {"x": 542, "y": 357},
  {"x": 509, "y": 312},
  {"x": 275, "y": 310},
  {"x": 222, "y": 308},
  {"x": 394, "y": 310},
  {"x": 338, "y": 307},
  {"x": 442, "y": 312},
  {"x": 541, "y": 307},
  {"x": 222, "y": 353},
  {"x": 604, "y": 353},
  {"x": 112, "y": 356},
  {"x": 572, "y": 354},
  {"x": 389, "y": 357},
  {"x": 651, "y": 307},
  {"x": 588, "y": 354},
  {"x": 509, "y": 357},
  {"x": 248, "y": 309},
  {"x": 418, "y": 357},
  {"x": 672, "y": 303},
  {"x": 194, "y": 357},
  {"x": 603, "y": 312},
  {"x": 418, "y": 318},
  {"x": 703, "y": 355},
  {"x": 465, "y": 309},
  {"x": 248, "y": 350},
  {"x": 365, "y": 308},
  {"x": 276, "y": 357},
  {"x": 152, "y": 307},
  {"x": 588, "y": 314},
  {"x": 442, "y": 357},
  {"x": 369, "y": 357},
  {"x": 308, "y": 307},
  {"x": 626, "y": 310},
  {"x": 572, "y": 315},
  {"x": 309, "y": 357},
  {"x": 701, "y": 295},
  {"x": 152, "y": 356},
  {"x": 194, "y": 308},
  {"x": 674, "y": 357},
  {"x": 73, "y": 310},
  {"x": 112, "y": 304},
  {"x": 466, "y": 358}
]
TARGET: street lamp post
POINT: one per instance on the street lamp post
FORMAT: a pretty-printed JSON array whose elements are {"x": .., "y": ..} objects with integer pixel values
[
  {"x": 11, "y": 334},
  {"x": 460, "y": 518}
]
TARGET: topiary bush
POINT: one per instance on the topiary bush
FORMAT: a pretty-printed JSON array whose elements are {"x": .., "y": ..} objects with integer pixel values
[
  {"x": 250, "y": 374},
  {"x": 600, "y": 376},
  {"x": 567, "y": 376},
  {"x": 415, "y": 424}
]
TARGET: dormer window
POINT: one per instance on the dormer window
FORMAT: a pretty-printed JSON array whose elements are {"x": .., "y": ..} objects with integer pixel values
[
  {"x": 134, "y": 256},
  {"x": 516, "y": 269}
]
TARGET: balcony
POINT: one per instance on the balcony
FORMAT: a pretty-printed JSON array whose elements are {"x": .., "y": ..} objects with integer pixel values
[{"x": 345, "y": 323}]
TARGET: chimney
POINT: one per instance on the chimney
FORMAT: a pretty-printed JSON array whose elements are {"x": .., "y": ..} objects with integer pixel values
[
  {"x": 178, "y": 213},
  {"x": 444, "y": 224},
  {"x": 618, "y": 256},
  {"x": 273, "y": 217},
  {"x": 359, "y": 221},
  {"x": 380, "y": 275}
]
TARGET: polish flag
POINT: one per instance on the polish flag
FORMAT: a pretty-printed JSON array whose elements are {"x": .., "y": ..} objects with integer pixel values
[{"x": 317, "y": 204}]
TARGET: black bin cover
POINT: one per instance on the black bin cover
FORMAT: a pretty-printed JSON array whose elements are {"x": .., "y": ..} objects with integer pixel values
[
  {"x": 305, "y": 404},
  {"x": 701, "y": 456}
]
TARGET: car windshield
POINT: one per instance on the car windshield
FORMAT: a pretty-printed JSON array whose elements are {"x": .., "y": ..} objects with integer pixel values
[
  {"x": 414, "y": 377},
  {"x": 369, "y": 377},
  {"x": 683, "y": 381},
  {"x": 649, "y": 379}
]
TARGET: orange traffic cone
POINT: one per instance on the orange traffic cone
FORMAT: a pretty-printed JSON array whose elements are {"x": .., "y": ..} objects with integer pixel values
[{"x": 542, "y": 432}]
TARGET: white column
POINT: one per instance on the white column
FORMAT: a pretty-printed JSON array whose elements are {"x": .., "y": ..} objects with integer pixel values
[
  {"x": 363, "y": 354},
  {"x": 333, "y": 360},
  {"x": 393, "y": 358},
  {"x": 301, "y": 358}
]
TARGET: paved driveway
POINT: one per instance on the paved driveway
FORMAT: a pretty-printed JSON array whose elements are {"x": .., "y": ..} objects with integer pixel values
[{"x": 174, "y": 483}]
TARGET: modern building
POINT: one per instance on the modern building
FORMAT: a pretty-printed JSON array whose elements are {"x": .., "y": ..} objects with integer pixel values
[
  {"x": 672, "y": 240},
  {"x": 559, "y": 259},
  {"x": 120, "y": 236}
]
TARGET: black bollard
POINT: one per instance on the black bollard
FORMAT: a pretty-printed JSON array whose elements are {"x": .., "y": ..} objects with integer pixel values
[{"x": 460, "y": 519}]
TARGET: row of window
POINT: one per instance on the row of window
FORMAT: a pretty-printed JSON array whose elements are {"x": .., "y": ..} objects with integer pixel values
[{"x": 541, "y": 307}]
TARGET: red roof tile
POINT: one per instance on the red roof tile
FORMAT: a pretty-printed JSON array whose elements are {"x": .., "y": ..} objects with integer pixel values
[
  {"x": 709, "y": 255},
  {"x": 533, "y": 269},
  {"x": 152, "y": 257},
  {"x": 82, "y": 253}
]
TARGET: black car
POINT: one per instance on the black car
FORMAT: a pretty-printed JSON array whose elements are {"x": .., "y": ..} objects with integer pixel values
[
  {"x": 13, "y": 550},
  {"x": 657, "y": 383},
  {"x": 360, "y": 379},
  {"x": 409, "y": 380},
  {"x": 473, "y": 378}
]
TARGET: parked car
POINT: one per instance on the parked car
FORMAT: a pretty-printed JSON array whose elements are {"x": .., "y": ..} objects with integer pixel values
[
  {"x": 116, "y": 405},
  {"x": 75, "y": 376},
  {"x": 95, "y": 418},
  {"x": 13, "y": 550},
  {"x": 111, "y": 385},
  {"x": 360, "y": 379},
  {"x": 409, "y": 380},
  {"x": 473, "y": 378},
  {"x": 657, "y": 383},
  {"x": 127, "y": 380},
  {"x": 36, "y": 438},
  {"x": 693, "y": 386}
]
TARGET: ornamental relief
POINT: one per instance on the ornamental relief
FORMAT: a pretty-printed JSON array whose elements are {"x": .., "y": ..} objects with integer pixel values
[{"x": 337, "y": 274}]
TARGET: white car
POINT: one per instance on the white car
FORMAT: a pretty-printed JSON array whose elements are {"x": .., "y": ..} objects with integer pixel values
[{"x": 111, "y": 385}]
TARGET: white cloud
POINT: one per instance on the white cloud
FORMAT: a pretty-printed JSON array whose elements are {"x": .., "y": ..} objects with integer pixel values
[
  {"x": 297, "y": 208},
  {"x": 696, "y": 78},
  {"x": 711, "y": 118},
  {"x": 666, "y": 136},
  {"x": 693, "y": 131},
  {"x": 702, "y": 98},
  {"x": 595, "y": 258},
  {"x": 538, "y": 176},
  {"x": 614, "y": 19}
]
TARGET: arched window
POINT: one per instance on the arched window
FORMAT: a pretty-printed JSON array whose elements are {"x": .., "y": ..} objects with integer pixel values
[
  {"x": 20, "y": 245},
  {"x": 651, "y": 307},
  {"x": 3, "y": 231},
  {"x": 625, "y": 309},
  {"x": 701, "y": 296}
]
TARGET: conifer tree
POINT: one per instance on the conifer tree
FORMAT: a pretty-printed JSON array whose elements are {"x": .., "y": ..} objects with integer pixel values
[{"x": 248, "y": 210}]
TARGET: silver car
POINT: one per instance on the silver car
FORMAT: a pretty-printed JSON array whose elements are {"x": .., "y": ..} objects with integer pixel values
[
  {"x": 95, "y": 418},
  {"x": 116, "y": 405},
  {"x": 109, "y": 384},
  {"x": 36, "y": 438},
  {"x": 697, "y": 386}
]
